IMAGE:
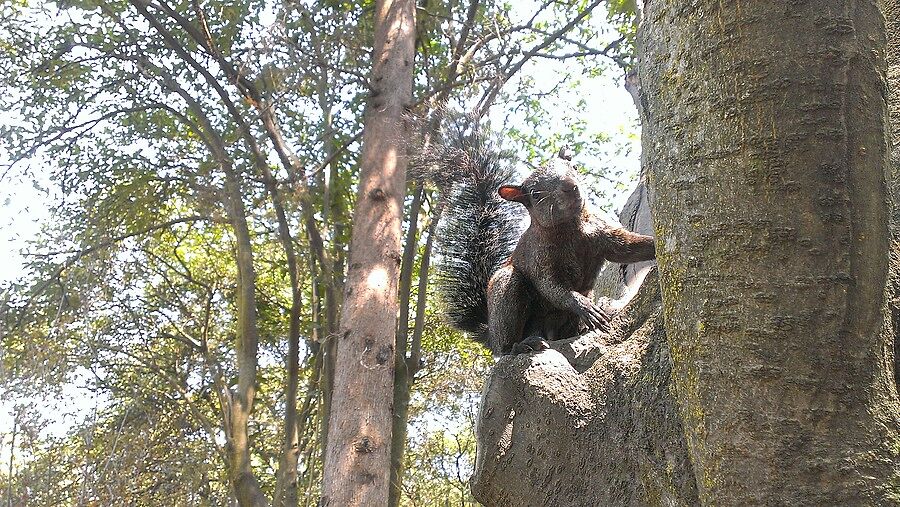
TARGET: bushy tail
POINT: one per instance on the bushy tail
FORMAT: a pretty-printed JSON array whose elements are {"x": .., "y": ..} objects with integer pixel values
[{"x": 478, "y": 230}]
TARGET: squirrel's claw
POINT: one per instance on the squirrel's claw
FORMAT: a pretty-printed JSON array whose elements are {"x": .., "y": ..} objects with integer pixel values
[{"x": 593, "y": 317}]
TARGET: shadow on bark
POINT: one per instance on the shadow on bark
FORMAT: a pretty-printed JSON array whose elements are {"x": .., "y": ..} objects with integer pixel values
[{"x": 592, "y": 421}]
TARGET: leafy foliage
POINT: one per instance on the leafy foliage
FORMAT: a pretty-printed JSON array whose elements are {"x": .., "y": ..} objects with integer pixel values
[{"x": 148, "y": 120}]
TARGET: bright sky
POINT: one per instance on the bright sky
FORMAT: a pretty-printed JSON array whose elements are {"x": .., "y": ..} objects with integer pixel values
[{"x": 20, "y": 213}]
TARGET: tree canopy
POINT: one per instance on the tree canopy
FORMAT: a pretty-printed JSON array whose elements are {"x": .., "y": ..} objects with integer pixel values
[{"x": 199, "y": 162}]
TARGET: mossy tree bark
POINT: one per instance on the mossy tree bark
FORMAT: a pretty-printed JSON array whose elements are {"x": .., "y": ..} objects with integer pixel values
[{"x": 765, "y": 136}]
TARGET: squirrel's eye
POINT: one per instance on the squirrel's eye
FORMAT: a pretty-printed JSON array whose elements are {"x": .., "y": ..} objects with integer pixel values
[{"x": 571, "y": 188}]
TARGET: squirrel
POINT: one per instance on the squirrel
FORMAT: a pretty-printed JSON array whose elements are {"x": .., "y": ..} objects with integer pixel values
[{"x": 516, "y": 291}]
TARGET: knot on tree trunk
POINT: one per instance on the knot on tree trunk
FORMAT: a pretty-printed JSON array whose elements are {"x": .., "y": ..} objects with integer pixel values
[{"x": 592, "y": 421}]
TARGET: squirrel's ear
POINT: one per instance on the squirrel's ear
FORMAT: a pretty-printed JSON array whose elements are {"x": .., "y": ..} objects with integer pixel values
[{"x": 513, "y": 193}]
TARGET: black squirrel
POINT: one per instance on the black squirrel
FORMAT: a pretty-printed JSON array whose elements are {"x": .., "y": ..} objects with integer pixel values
[{"x": 515, "y": 290}]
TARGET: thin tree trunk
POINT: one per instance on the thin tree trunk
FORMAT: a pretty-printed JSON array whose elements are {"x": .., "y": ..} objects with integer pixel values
[
  {"x": 237, "y": 405},
  {"x": 329, "y": 348},
  {"x": 286, "y": 484},
  {"x": 415, "y": 348},
  {"x": 329, "y": 341},
  {"x": 246, "y": 487},
  {"x": 329, "y": 172},
  {"x": 357, "y": 458},
  {"x": 410, "y": 367},
  {"x": 12, "y": 456},
  {"x": 402, "y": 375},
  {"x": 765, "y": 136}
]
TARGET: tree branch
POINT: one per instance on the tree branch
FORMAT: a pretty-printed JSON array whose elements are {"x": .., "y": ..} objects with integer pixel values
[{"x": 490, "y": 94}]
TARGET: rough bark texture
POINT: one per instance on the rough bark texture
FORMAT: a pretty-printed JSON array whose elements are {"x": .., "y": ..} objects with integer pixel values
[
  {"x": 765, "y": 138},
  {"x": 357, "y": 457},
  {"x": 590, "y": 422},
  {"x": 892, "y": 15}
]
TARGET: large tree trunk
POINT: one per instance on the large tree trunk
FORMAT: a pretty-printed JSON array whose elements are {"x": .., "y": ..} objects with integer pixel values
[
  {"x": 892, "y": 15},
  {"x": 357, "y": 457},
  {"x": 771, "y": 381},
  {"x": 765, "y": 139}
]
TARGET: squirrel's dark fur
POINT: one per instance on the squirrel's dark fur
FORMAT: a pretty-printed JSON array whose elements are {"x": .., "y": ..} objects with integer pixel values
[
  {"x": 481, "y": 229},
  {"x": 514, "y": 290}
]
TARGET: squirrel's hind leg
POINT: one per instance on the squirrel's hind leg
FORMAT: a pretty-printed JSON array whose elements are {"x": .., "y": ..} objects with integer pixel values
[
  {"x": 509, "y": 298},
  {"x": 544, "y": 325},
  {"x": 533, "y": 343}
]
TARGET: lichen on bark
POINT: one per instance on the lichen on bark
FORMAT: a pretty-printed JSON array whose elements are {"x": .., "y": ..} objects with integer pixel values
[{"x": 765, "y": 140}]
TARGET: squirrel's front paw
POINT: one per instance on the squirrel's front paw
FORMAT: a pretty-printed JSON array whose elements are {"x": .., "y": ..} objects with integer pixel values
[{"x": 591, "y": 316}]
